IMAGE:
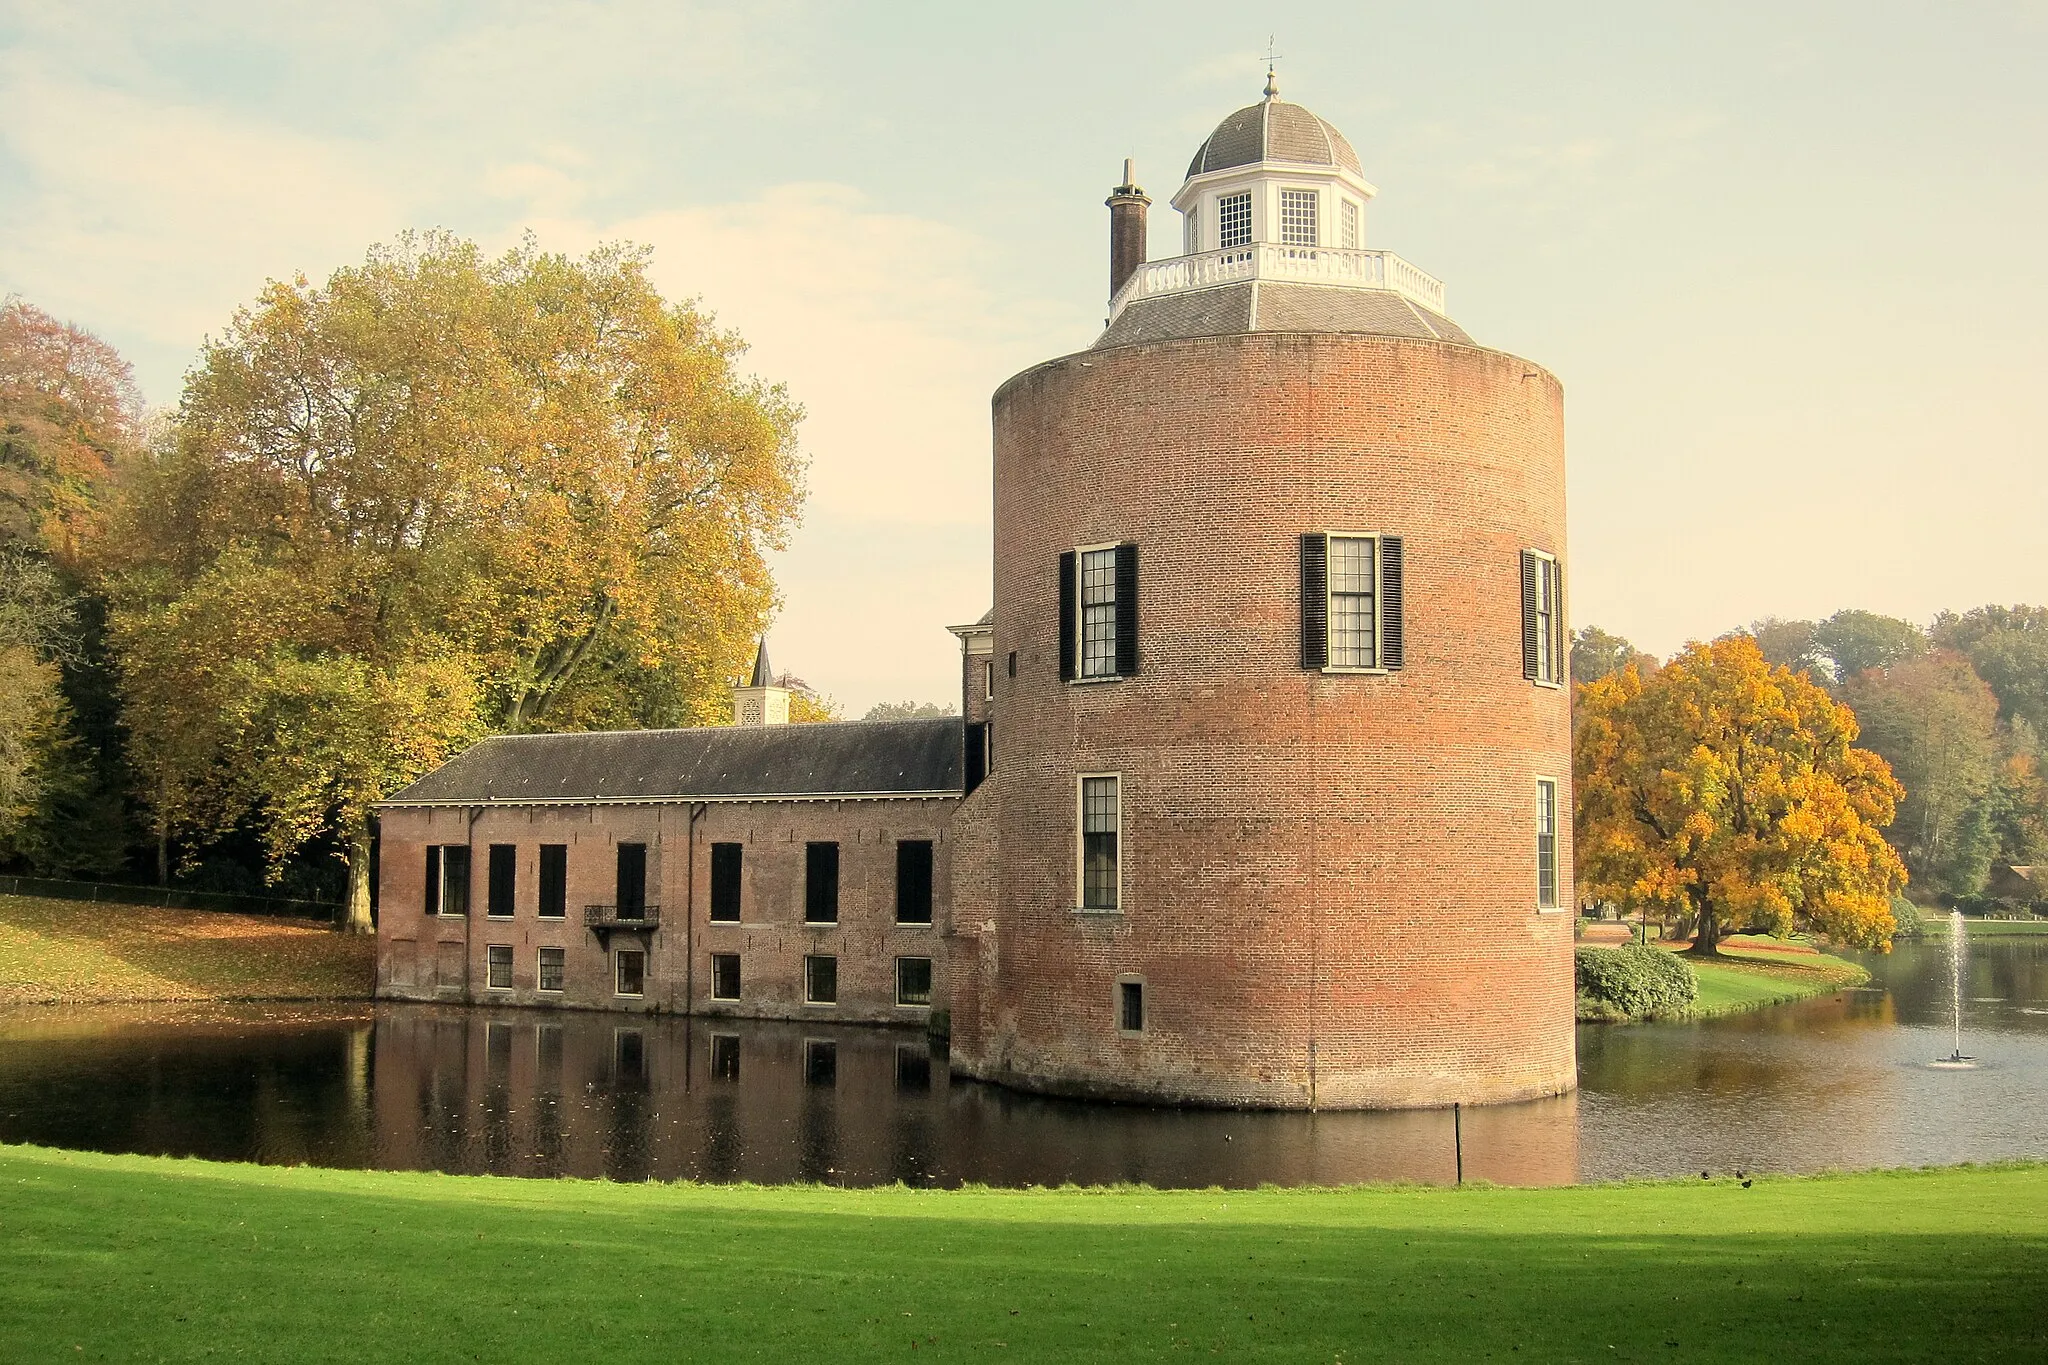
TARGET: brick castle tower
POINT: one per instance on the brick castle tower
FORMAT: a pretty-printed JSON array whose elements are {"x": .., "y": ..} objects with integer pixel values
[{"x": 1277, "y": 803}]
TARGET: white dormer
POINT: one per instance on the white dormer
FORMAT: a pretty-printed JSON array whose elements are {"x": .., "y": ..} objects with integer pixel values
[{"x": 1273, "y": 173}]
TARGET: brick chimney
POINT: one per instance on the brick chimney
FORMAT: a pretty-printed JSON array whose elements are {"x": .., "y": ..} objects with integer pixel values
[{"x": 1127, "y": 205}]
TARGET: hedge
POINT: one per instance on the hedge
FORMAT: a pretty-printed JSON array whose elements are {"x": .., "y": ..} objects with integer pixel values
[{"x": 1635, "y": 981}]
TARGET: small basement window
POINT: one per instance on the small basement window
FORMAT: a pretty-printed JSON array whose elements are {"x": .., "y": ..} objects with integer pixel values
[
  {"x": 498, "y": 966},
  {"x": 821, "y": 980},
  {"x": 725, "y": 976},
  {"x": 1130, "y": 1006},
  {"x": 552, "y": 968},
  {"x": 631, "y": 970},
  {"x": 913, "y": 981}
]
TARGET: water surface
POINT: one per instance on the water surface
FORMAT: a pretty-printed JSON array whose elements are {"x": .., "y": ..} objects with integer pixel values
[{"x": 1838, "y": 1082}]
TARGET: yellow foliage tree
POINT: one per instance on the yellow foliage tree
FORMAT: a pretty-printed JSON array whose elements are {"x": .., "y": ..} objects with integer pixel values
[
  {"x": 1730, "y": 791},
  {"x": 439, "y": 495}
]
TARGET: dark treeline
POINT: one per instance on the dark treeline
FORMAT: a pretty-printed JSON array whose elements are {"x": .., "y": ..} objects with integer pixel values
[{"x": 1957, "y": 709}]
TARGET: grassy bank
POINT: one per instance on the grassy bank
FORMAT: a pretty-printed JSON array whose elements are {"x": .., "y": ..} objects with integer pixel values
[
  {"x": 310, "y": 1265},
  {"x": 1749, "y": 972},
  {"x": 77, "y": 952},
  {"x": 1935, "y": 925}
]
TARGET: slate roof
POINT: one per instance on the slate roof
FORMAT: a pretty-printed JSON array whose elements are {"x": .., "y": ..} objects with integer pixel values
[
  {"x": 719, "y": 763},
  {"x": 1273, "y": 130},
  {"x": 1265, "y": 306}
]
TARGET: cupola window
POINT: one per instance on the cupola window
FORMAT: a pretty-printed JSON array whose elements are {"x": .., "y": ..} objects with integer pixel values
[
  {"x": 1234, "y": 220},
  {"x": 1347, "y": 225},
  {"x": 1298, "y": 218}
]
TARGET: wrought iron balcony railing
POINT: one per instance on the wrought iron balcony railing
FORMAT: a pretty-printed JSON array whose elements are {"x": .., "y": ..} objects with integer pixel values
[{"x": 622, "y": 917}]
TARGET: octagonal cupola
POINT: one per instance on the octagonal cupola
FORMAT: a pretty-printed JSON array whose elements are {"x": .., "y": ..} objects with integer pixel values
[{"x": 1276, "y": 173}]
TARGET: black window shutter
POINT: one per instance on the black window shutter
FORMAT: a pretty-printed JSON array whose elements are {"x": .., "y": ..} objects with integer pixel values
[
  {"x": 1531, "y": 566},
  {"x": 976, "y": 754},
  {"x": 1068, "y": 589},
  {"x": 1126, "y": 609},
  {"x": 432, "y": 903},
  {"x": 1315, "y": 601},
  {"x": 1560, "y": 643},
  {"x": 1390, "y": 602}
]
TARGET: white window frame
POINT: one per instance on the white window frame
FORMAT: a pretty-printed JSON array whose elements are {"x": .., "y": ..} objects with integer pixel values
[
  {"x": 1250, "y": 221},
  {"x": 739, "y": 971},
  {"x": 1553, "y": 641},
  {"x": 1315, "y": 222},
  {"x": 1191, "y": 230},
  {"x": 1081, "y": 906},
  {"x": 1350, "y": 225},
  {"x": 1379, "y": 573},
  {"x": 510, "y": 959},
  {"x": 833, "y": 958},
  {"x": 539, "y": 977},
  {"x": 1549, "y": 785},
  {"x": 619, "y": 961},
  {"x": 988, "y": 680},
  {"x": 1081, "y": 553}
]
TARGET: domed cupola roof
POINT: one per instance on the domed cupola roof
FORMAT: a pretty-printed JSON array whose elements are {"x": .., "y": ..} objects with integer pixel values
[{"x": 1273, "y": 130}]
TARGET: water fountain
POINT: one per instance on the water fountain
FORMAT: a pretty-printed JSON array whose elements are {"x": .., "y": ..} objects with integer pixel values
[{"x": 1958, "y": 951}]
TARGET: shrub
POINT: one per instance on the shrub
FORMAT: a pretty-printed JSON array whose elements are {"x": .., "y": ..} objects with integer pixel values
[
  {"x": 1911, "y": 923},
  {"x": 1635, "y": 981}
]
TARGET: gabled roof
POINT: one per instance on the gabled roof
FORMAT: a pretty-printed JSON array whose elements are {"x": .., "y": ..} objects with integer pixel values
[{"x": 889, "y": 758}]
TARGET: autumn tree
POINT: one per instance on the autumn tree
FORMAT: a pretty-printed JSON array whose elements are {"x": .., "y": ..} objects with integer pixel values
[
  {"x": 1790, "y": 644},
  {"x": 70, "y": 413},
  {"x": 1729, "y": 790},
  {"x": 437, "y": 496},
  {"x": 2008, "y": 647}
]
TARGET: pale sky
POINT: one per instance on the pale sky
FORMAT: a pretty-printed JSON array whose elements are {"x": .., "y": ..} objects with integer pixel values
[{"x": 1789, "y": 260}]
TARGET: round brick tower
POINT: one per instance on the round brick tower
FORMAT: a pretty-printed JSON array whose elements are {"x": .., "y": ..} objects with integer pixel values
[{"x": 1278, "y": 813}]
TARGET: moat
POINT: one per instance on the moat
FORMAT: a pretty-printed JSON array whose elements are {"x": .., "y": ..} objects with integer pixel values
[{"x": 1838, "y": 1082}]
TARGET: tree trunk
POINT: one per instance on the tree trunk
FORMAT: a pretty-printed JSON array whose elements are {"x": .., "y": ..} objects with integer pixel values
[
  {"x": 357, "y": 918},
  {"x": 1706, "y": 938}
]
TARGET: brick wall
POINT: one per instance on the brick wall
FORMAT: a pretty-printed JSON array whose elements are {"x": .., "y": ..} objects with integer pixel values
[
  {"x": 443, "y": 957},
  {"x": 1329, "y": 880}
]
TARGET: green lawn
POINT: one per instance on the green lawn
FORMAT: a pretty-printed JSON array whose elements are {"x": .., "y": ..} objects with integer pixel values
[
  {"x": 78, "y": 952},
  {"x": 1751, "y": 973},
  {"x": 137, "y": 1258},
  {"x": 1935, "y": 925}
]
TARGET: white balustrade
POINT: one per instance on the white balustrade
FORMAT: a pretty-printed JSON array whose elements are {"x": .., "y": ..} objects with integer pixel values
[{"x": 1344, "y": 267}]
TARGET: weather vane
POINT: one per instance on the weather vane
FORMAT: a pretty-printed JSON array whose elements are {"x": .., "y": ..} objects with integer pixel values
[{"x": 1272, "y": 58}]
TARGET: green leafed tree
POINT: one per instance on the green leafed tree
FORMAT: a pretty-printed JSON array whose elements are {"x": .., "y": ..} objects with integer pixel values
[
  {"x": 440, "y": 495},
  {"x": 1856, "y": 641}
]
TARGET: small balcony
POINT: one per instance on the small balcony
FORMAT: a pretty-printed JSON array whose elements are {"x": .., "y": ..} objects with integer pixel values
[
  {"x": 606, "y": 920},
  {"x": 1330, "y": 266}
]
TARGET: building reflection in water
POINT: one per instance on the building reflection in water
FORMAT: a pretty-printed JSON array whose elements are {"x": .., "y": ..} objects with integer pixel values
[{"x": 519, "y": 1093}]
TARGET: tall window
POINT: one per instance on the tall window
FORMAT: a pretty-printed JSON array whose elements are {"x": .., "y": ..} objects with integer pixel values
[
  {"x": 1347, "y": 224},
  {"x": 988, "y": 680},
  {"x": 726, "y": 863},
  {"x": 913, "y": 981},
  {"x": 551, "y": 961},
  {"x": 821, "y": 883},
  {"x": 554, "y": 881},
  {"x": 1546, "y": 844},
  {"x": 1354, "y": 591},
  {"x": 504, "y": 873},
  {"x": 447, "y": 879},
  {"x": 1351, "y": 602},
  {"x": 1191, "y": 227},
  {"x": 1098, "y": 613},
  {"x": 1234, "y": 220},
  {"x": 632, "y": 902},
  {"x": 1101, "y": 820},
  {"x": 631, "y": 968},
  {"x": 821, "y": 980},
  {"x": 913, "y": 881},
  {"x": 1543, "y": 651},
  {"x": 725, "y": 976},
  {"x": 1298, "y": 217},
  {"x": 498, "y": 966}
]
